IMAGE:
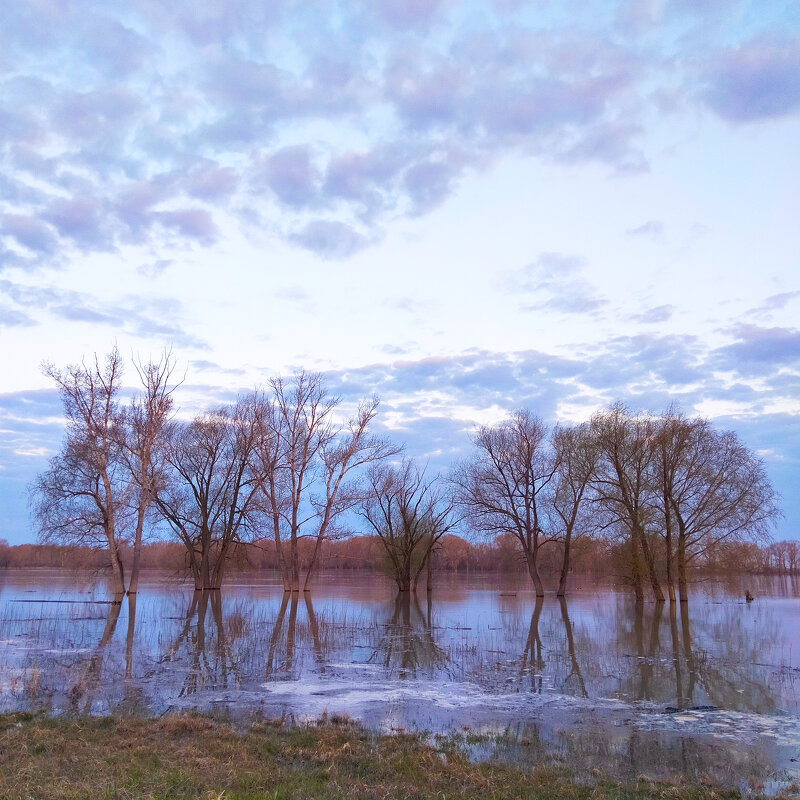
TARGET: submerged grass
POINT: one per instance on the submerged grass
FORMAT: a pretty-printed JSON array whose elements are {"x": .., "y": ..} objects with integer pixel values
[{"x": 199, "y": 756}]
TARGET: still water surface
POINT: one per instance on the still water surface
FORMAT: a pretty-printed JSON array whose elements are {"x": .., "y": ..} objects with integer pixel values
[{"x": 596, "y": 681}]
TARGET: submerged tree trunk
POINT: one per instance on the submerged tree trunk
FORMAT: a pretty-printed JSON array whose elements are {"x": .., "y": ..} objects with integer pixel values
[
  {"x": 649, "y": 560},
  {"x": 683, "y": 589},
  {"x": 562, "y": 583},
  {"x": 533, "y": 571},
  {"x": 670, "y": 565},
  {"x": 117, "y": 571},
  {"x": 294, "y": 567},
  {"x": 133, "y": 586},
  {"x": 636, "y": 566},
  {"x": 403, "y": 578}
]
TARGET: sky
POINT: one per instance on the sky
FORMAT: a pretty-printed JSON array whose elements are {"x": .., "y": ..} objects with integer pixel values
[{"x": 464, "y": 207}]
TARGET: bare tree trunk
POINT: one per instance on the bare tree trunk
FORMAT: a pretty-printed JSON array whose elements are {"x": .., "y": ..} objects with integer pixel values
[
  {"x": 312, "y": 564},
  {"x": 636, "y": 566},
  {"x": 429, "y": 577},
  {"x": 683, "y": 590},
  {"x": 670, "y": 564},
  {"x": 218, "y": 572},
  {"x": 295, "y": 565},
  {"x": 133, "y": 586},
  {"x": 649, "y": 560},
  {"x": 533, "y": 571},
  {"x": 426, "y": 562},
  {"x": 404, "y": 578},
  {"x": 204, "y": 569},
  {"x": 562, "y": 583},
  {"x": 279, "y": 551},
  {"x": 117, "y": 571}
]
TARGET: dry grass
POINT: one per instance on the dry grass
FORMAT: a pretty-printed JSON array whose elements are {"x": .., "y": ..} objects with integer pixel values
[{"x": 196, "y": 756}]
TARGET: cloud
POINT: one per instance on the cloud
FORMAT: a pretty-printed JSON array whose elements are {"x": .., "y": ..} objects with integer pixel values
[
  {"x": 291, "y": 174},
  {"x": 774, "y": 302},
  {"x": 411, "y": 304},
  {"x": 81, "y": 220},
  {"x": 329, "y": 239},
  {"x": 13, "y": 318},
  {"x": 757, "y": 80},
  {"x": 147, "y": 124},
  {"x": 758, "y": 351},
  {"x": 29, "y": 232},
  {"x": 192, "y": 223},
  {"x": 652, "y": 229},
  {"x": 153, "y": 317},
  {"x": 654, "y": 315},
  {"x": 154, "y": 268},
  {"x": 553, "y": 281}
]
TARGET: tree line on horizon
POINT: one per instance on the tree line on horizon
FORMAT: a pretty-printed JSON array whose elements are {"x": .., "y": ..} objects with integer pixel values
[
  {"x": 591, "y": 556},
  {"x": 283, "y": 465}
]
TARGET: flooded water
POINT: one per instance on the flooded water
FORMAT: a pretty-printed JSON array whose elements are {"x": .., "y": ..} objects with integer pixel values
[{"x": 596, "y": 681}]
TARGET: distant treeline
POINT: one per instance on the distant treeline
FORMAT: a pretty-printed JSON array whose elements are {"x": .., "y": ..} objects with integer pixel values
[{"x": 453, "y": 555}]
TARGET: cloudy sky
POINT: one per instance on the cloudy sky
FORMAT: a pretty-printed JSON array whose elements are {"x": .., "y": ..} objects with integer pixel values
[{"x": 466, "y": 207}]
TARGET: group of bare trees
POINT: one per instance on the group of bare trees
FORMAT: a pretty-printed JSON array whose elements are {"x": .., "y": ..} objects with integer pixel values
[
  {"x": 286, "y": 462},
  {"x": 671, "y": 487},
  {"x": 280, "y": 459}
]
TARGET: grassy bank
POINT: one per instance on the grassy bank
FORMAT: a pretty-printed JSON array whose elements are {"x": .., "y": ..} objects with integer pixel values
[{"x": 199, "y": 757}]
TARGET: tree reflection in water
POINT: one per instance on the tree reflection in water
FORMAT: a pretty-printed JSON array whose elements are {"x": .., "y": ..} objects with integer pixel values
[
  {"x": 70, "y": 653},
  {"x": 281, "y": 654},
  {"x": 532, "y": 659},
  {"x": 208, "y": 667},
  {"x": 407, "y": 649},
  {"x": 575, "y": 676},
  {"x": 82, "y": 693}
]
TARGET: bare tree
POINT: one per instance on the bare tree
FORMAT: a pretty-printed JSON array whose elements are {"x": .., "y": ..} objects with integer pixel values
[
  {"x": 502, "y": 488},
  {"x": 208, "y": 493},
  {"x": 145, "y": 426},
  {"x": 576, "y": 458},
  {"x": 81, "y": 497},
  {"x": 410, "y": 515},
  {"x": 311, "y": 463},
  {"x": 621, "y": 484},
  {"x": 671, "y": 449},
  {"x": 717, "y": 490}
]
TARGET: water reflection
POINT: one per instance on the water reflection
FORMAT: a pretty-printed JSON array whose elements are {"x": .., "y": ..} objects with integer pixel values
[
  {"x": 532, "y": 660},
  {"x": 87, "y": 681},
  {"x": 207, "y": 661},
  {"x": 575, "y": 678},
  {"x": 554, "y": 671},
  {"x": 407, "y": 648}
]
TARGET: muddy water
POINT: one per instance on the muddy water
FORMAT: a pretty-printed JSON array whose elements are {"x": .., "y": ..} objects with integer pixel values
[{"x": 596, "y": 681}]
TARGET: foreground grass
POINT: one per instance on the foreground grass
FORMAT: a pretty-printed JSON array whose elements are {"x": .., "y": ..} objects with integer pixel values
[{"x": 195, "y": 756}]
